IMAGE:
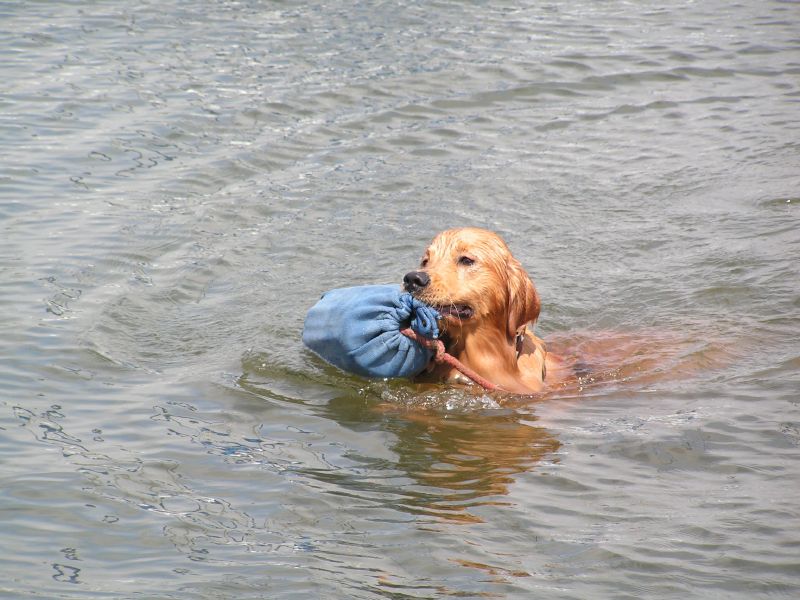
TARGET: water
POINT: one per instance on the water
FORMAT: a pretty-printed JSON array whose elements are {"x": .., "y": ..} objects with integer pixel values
[{"x": 180, "y": 181}]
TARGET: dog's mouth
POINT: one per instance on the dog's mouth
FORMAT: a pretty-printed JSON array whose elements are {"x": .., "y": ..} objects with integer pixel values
[{"x": 457, "y": 311}]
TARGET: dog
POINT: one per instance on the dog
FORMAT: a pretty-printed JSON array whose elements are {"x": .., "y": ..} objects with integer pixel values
[{"x": 489, "y": 306}]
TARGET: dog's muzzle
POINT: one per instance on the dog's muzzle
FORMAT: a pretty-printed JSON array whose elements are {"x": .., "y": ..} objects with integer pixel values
[{"x": 415, "y": 281}]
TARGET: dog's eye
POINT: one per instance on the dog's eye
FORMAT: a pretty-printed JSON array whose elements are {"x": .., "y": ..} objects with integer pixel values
[
  {"x": 466, "y": 261},
  {"x": 423, "y": 263}
]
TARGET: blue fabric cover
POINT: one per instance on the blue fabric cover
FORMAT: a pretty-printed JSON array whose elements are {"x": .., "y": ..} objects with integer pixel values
[{"x": 358, "y": 329}]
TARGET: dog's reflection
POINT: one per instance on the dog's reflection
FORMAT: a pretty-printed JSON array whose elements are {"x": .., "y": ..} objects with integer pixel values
[{"x": 452, "y": 462}]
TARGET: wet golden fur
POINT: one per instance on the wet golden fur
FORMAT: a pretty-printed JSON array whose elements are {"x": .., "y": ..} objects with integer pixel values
[{"x": 474, "y": 268}]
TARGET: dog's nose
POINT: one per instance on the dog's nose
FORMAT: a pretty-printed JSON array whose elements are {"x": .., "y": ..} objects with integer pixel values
[{"x": 415, "y": 281}]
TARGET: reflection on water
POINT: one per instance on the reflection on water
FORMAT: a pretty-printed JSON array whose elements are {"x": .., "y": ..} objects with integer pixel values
[
  {"x": 458, "y": 460},
  {"x": 462, "y": 448},
  {"x": 448, "y": 462}
]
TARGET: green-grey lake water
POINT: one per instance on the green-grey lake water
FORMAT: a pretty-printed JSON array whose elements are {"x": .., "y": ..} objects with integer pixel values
[{"x": 180, "y": 181}]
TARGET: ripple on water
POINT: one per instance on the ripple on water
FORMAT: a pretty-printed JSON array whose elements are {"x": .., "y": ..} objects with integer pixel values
[{"x": 180, "y": 185}]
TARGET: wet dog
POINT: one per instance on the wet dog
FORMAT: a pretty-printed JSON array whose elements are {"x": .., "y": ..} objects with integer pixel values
[{"x": 489, "y": 306}]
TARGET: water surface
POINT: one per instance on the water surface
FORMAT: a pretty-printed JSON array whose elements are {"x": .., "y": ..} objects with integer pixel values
[{"x": 180, "y": 181}]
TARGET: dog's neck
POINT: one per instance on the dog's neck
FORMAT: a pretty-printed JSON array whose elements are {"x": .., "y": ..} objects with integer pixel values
[
  {"x": 485, "y": 351},
  {"x": 495, "y": 356}
]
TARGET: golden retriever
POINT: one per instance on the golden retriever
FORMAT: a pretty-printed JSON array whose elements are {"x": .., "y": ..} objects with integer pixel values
[{"x": 489, "y": 306}]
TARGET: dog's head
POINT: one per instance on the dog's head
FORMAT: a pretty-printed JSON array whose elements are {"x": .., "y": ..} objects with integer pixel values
[{"x": 470, "y": 276}]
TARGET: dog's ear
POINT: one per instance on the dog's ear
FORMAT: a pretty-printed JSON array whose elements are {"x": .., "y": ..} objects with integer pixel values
[{"x": 523, "y": 300}]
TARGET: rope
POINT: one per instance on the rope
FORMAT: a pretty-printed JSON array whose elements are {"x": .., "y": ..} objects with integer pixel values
[{"x": 440, "y": 355}]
